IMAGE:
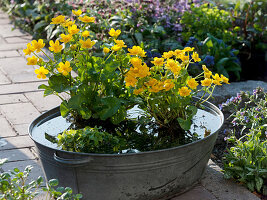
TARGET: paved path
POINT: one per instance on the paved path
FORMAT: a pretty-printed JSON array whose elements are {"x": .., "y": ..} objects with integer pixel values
[{"x": 21, "y": 102}]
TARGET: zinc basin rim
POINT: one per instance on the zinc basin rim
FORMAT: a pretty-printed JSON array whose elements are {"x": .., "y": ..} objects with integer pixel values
[{"x": 56, "y": 110}]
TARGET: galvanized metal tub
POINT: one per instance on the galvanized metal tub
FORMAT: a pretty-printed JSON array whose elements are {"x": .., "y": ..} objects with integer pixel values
[{"x": 138, "y": 176}]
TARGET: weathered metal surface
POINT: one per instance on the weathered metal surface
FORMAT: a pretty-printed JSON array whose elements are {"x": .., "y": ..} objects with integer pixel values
[{"x": 139, "y": 176}]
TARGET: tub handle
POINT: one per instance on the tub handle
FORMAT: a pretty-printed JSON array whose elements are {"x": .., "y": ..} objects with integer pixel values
[{"x": 71, "y": 161}]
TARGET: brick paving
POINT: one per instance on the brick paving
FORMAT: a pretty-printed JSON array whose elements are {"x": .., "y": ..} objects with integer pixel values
[{"x": 21, "y": 102}]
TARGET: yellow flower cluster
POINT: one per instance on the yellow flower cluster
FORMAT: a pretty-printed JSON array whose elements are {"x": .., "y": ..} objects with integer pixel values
[
  {"x": 70, "y": 30},
  {"x": 166, "y": 73},
  {"x": 216, "y": 79},
  {"x": 164, "y": 65},
  {"x": 34, "y": 46}
]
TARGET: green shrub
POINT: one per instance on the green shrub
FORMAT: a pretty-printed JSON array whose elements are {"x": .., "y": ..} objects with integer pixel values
[
  {"x": 14, "y": 185},
  {"x": 246, "y": 160},
  {"x": 207, "y": 19}
]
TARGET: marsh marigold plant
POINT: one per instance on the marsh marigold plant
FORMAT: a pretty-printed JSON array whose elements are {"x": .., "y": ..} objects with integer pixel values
[{"x": 106, "y": 86}]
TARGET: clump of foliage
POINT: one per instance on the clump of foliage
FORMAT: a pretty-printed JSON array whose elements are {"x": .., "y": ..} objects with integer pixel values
[
  {"x": 13, "y": 185},
  {"x": 207, "y": 19},
  {"x": 246, "y": 160},
  {"x": 217, "y": 56},
  {"x": 35, "y": 16},
  {"x": 89, "y": 140}
]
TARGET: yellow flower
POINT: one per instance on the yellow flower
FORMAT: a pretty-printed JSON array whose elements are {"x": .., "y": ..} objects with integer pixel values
[
  {"x": 195, "y": 57},
  {"x": 168, "y": 55},
  {"x": 173, "y": 66},
  {"x": 68, "y": 23},
  {"x": 65, "y": 38},
  {"x": 143, "y": 71},
  {"x": 58, "y": 20},
  {"x": 130, "y": 80},
  {"x": 217, "y": 79},
  {"x": 106, "y": 50},
  {"x": 224, "y": 79},
  {"x": 73, "y": 29},
  {"x": 187, "y": 49},
  {"x": 38, "y": 45},
  {"x": 184, "y": 91},
  {"x": 32, "y": 60},
  {"x": 183, "y": 57},
  {"x": 28, "y": 50},
  {"x": 192, "y": 83},
  {"x": 56, "y": 47},
  {"x": 138, "y": 91},
  {"x": 114, "y": 33},
  {"x": 207, "y": 74},
  {"x": 151, "y": 82},
  {"x": 177, "y": 52},
  {"x": 41, "y": 72},
  {"x": 65, "y": 69},
  {"x": 87, "y": 19},
  {"x": 137, "y": 51},
  {"x": 136, "y": 61},
  {"x": 120, "y": 43},
  {"x": 116, "y": 48},
  {"x": 85, "y": 33},
  {"x": 77, "y": 13},
  {"x": 154, "y": 88},
  {"x": 205, "y": 69},
  {"x": 158, "y": 61},
  {"x": 87, "y": 44},
  {"x": 206, "y": 82},
  {"x": 168, "y": 84}
]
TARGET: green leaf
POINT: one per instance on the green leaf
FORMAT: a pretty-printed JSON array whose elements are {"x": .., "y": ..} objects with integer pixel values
[
  {"x": 110, "y": 106},
  {"x": 48, "y": 90},
  {"x": 39, "y": 25},
  {"x": 193, "y": 110},
  {"x": 59, "y": 83},
  {"x": 64, "y": 109},
  {"x": 251, "y": 186},
  {"x": 138, "y": 37},
  {"x": 185, "y": 124},
  {"x": 259, "y": 183},
  {"x": 53, "y": 182}
]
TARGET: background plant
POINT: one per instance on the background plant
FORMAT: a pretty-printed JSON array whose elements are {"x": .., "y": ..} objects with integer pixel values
[
  {"x": 217, "y": 56},
  {"x": 246, "y": 159},
  {"x": 14, "y": 184},
  {"x": 205, "y": 19}
]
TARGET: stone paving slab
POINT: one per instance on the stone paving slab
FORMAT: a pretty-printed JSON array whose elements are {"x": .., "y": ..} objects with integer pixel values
[
  {"x": 4, "y": 79},
  {"x": 21, "y": 129},
  {"x": 18, "y": 154},
  {"x": 43, "y": 103},
  {"x": 15, "y": 46},
  {"x": 6, "y": 129},
  {"x": 13, "y": 40},
  {"x": 7, "y": 30},
  {"x": 9, "y": 54},
  {"x": 20, "y": 87},
  {"x": 224, "y": 189},
  {"x": 4, "y": 21},
  {"x": 198, "y": 191},
  {"x": 13, "y": 98},
  {"x": 16, "y": 142},
  {"x": 20, "y": 113}
]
